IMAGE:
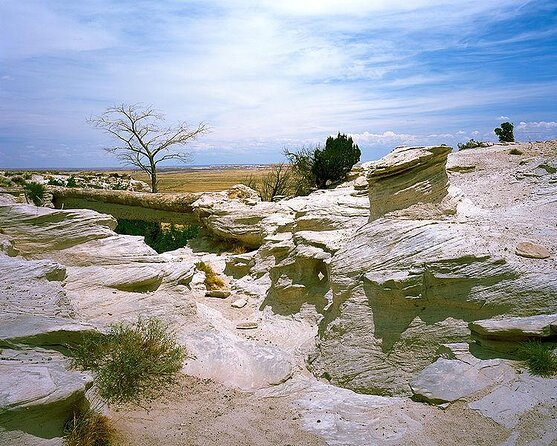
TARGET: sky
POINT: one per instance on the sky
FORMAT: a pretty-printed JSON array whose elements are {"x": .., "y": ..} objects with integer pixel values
[{"x": 268, "y": 75}]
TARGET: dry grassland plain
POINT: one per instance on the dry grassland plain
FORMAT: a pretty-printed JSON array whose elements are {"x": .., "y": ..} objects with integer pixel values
[{"x": 203, "y": 180}]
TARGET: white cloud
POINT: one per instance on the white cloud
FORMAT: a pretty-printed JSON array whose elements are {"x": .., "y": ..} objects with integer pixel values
[
  {"x": 31, "y": 28},
  {"x": 264, "y": 76},
  {"x": 545, "y": 125},
  {"x": 503, "y": 118},
  {"x": 385, "y": 137}
]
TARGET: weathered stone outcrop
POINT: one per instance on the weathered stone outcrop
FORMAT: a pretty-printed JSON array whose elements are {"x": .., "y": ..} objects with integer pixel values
[
  {"x": 405, "y": 303},
  {"x": 402, "y": 287},
  {"x": 38, "y": 392},
  {"x": 406, "y": 176}
]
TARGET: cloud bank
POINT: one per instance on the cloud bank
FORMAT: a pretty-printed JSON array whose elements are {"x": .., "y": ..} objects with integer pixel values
[{"x": 270, "y": 75}]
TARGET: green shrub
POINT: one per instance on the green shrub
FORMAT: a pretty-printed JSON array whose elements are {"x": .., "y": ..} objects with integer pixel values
[
  {"x": 515, "y": 151},
  {"x": 131, "y": 362},
  {"x": 18, "y": 179},
  {"x": 505, "y": 132},
  {"x": 159, "y": 238},
  {"x": 88, "y": 428},
  {"x": 319, "y": 167},
  {"x": 5, "y": 181},
  {"x": 34, "y": 192},
  {"x": 72, "y": 182},
  {"x": 333, "y": 163},
  {"x": 539, "y": 357},
  {"x": 301, "y": 165},
  {"x": 55, "y": 182},
  {"x": 472, "y": 144}
]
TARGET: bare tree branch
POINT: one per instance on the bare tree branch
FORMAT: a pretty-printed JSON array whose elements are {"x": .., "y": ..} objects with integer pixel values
[{"x": 146, "y": 141}]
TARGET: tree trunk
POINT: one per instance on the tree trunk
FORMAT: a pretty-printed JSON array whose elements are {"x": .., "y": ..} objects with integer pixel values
[{"x": 153, "y": 177}]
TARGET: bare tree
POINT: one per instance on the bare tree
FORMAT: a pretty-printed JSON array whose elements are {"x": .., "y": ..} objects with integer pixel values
[
  {"x": 276, "y": 182},
  {"x": 144, "y": 140}
]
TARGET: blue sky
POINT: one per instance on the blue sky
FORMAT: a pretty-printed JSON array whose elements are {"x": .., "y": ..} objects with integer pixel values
[{"x": 272, "y": 74}]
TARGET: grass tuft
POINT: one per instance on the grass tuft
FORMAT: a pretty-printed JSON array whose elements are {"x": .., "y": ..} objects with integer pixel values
[
  {"x": 539, "y": 357},
  {"x": 515, "y": 151},
  {"x": 212, "y": 280},
  {"x": 131, "y": 362},
  {"x": 88, "y": 428}
]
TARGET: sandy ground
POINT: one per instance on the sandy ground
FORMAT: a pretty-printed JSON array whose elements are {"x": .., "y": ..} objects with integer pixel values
[{"x": 204, "y": 413}]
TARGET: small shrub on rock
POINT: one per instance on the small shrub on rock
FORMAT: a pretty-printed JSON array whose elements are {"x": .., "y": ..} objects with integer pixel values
[
  {"x": 515, "y": 151},
  {"x": 72, "y": 182},
  {"x": 472, "y": 144},
  {"x": 320, "y": 167},
  {"x": 132, "y": 361},
  {"x": 539, "y": 357},
  {"x": 88, "y": 428},
  {"x": 333, "y": 163},
  {"x": 34, "y": 192},
  {"x": 212, "y": 279}
]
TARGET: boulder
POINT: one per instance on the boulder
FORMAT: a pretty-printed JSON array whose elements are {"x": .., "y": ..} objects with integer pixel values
[
  {"x": 233, "y": 361},
  {"x": 221, "y": 294},
  {"x": 239, "y": 303},
  {"x": 532, "y": 250},
  {"x": 38, "y": 330},
  {"x": 236, "y": 215},
  {"x": 448, "y": 380},
  {"x": 509, "y": 403},
  {"x": 401, "y": 286}
]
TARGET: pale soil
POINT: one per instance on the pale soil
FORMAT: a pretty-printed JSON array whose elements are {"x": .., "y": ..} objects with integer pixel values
[{"x": 204, "y": 413}]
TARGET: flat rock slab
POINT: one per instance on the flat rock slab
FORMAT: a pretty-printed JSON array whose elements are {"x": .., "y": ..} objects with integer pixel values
[
  {"x": 233, "y": 361},
  {"x": 448, "y": 380},
  {"x": 240, "y": 303},
  {"x": 247, "y": 325},
  {"x": 532, "y": 250},
  {"x": 221, "y": 294},
  {"x": 507, "y": 403},
  {"x": 516, "y": 328},
  {"x": 39, "y": 330}
]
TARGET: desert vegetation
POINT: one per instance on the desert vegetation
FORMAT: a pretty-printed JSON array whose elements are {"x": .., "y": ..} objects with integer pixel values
[
  {"x": 212, "y": 280},
  {"x": 320, "y": 167},
  {"x": 472, "y": 144},
  {"x": 144, "y": 140},
  {"x": 505, "y": 132},
  {"x": 131, "y": 362},
  {"x": 34, "y": 192},
  {"x": 278, "y": 181},
  {"x": 160, "y": 237},
  {"x": 540, "y": 357},
  {"x": 87, "y": 427}
]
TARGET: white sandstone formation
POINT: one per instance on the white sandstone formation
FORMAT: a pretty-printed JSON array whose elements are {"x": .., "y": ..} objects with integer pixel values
[
  {"x": 403, "y": 287},
  {"x": 405, "y": 281}
]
